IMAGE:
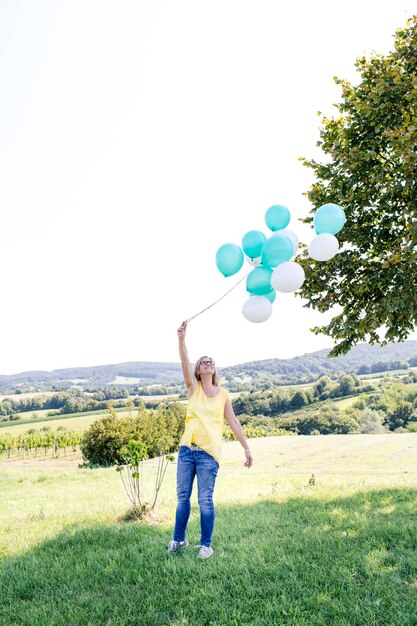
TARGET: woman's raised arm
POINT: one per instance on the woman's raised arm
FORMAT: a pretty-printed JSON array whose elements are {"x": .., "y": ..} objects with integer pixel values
[{"x": 187, "y": 371}]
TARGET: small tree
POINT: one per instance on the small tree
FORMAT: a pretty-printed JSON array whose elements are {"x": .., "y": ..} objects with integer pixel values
[
  {"x": 345, "y": 386},
  {"x": 370, "y": 422},
  {"x": 130, "y": 473},
  {"x": 298, "y": 400},
  {"x": 323, "y": 387},
  {"x": 401, "y": 416},
  {"x": 133, "y": 455}
]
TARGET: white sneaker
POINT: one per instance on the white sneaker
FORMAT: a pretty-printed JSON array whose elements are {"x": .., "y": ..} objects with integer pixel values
[
  {"x": 175, "y": 546},
  {"x": 205, "y": 552}
]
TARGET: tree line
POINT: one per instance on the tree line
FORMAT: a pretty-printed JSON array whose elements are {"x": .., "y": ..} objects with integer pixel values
[
  {"x": 73, "y": 401},
  {"x": 390, "y": 408},
  {"x": 274, "y": 402}
]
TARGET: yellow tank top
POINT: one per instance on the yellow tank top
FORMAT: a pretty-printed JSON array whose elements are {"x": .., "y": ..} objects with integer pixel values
[{"x": 204, "y": 421}]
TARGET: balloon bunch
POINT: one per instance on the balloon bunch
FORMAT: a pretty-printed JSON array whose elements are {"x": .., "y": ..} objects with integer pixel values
[{"x": 271, "y": 257}]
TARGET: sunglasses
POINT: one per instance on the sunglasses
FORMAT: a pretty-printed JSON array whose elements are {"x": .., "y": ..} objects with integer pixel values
[{"x": 207, "y": 362}]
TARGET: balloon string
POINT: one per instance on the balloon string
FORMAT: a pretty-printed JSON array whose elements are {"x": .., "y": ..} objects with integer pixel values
[{"x": 223, "y": 296}]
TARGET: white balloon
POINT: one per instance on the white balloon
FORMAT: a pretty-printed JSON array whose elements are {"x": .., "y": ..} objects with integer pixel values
[
  {"x": 255, "y": 262},
  {"x": 287, "y": 277},
  {"x": 323, "y": 247},
  {"x": 291, "y": 236},
  {"x": 257, "y": 309}
]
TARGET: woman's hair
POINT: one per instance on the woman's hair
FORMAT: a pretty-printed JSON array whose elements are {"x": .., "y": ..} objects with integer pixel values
[{"x": 214, "y": 378}]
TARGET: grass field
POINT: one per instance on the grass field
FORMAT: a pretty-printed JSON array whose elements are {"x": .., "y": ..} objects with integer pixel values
[
  {"x": 78, "y": 423},
  {"x": 35, "y": 415},
  {"x": 71, "y": 421},
  {"x": 345, "y": 403},
  {"x": 380, "y": 375},
  {"x": 32, "y": 394},
  {"x": 320, "y": 532},
  {"x": 296, "y": 387}
]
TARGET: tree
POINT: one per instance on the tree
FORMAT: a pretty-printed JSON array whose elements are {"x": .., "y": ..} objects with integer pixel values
[
  {"x": 371, "y": 170},
  {"x": 327, "y": 421},
  {"x": 370, "y": 422},
  {"x": 298, "y": 400},
  {"x": 242, "y": 404},
  {"x": 401, "y": 416},
  {"x": 323, "y": 387},
  {"x": 345, "y": 386}
]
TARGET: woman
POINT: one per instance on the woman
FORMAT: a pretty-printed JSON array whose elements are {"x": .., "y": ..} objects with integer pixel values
[{"x": 200, "y": 446}]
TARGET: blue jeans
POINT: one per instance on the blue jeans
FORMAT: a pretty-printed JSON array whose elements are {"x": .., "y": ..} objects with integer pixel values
[{"x": 190, "y": 463}]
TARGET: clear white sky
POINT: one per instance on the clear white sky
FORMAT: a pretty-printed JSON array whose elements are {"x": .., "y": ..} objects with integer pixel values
[{"x": 136, "y": 137}]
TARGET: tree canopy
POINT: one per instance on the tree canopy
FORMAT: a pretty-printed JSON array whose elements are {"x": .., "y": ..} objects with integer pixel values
[{"x": 370, "y": 169}]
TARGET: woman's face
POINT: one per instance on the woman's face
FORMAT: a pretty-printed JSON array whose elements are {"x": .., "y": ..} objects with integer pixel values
[{"x": 207, "y": 365}]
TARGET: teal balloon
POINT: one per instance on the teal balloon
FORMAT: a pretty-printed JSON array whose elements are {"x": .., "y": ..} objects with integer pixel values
[
  {"x": 252, "y": 243},
  {"x": 277, "y": 249},
  {"x": 271, "y": 295},
  {"x": 258, "y": 282},
  {"x": 229, "y": 259},
  {"x": 329, "y": 218},
  {"x": 277, "y": 217}
]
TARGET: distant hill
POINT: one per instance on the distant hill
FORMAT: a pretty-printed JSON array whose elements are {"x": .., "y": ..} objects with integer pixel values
[
  {"x": 140, "y": 372},
  {"x": 361, "y": 359}
]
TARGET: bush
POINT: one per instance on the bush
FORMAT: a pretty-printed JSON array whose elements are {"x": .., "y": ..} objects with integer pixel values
[
  {"x": 370, "y": 422},
  {"x": 159, "y": 430},
  {"x": 252, "y": 432},
  {"x": 103, "y": 441},
  {"x": 401, "y": 416},
  {"x": 326, "y": 422}
]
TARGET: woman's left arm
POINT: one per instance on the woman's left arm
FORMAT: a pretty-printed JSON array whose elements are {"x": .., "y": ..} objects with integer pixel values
[{"x": 236, "y": 427}]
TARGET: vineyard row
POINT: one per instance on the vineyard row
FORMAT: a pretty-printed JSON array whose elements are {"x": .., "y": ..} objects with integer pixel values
[{"x": 32, "y": 444}]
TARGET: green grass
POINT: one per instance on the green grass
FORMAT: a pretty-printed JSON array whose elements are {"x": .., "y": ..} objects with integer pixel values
[
  {"x": 342, "y": 551},
  {"x": 21, "y": 396},
  {"x": 345, "y": 403},
  {"x": 295, "y": 387},
  {"x": 66, "y": 421},
  {"x": 70, "y": 421},
  {"x": 34, "y": 415},
  {"x": 379, "y": 375}
]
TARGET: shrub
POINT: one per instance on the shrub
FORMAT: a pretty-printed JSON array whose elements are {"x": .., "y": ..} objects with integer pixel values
[
  {"x": 370, "y": 422},
  {"x": 104, "y": 440},
  {"x": 252, "y": 432},
  {"x": 401, "y": 416},
  {"x": 158, "y": 429},
  {"x": 326, "y": 422},
  {"x": 130, "y": 473}
]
